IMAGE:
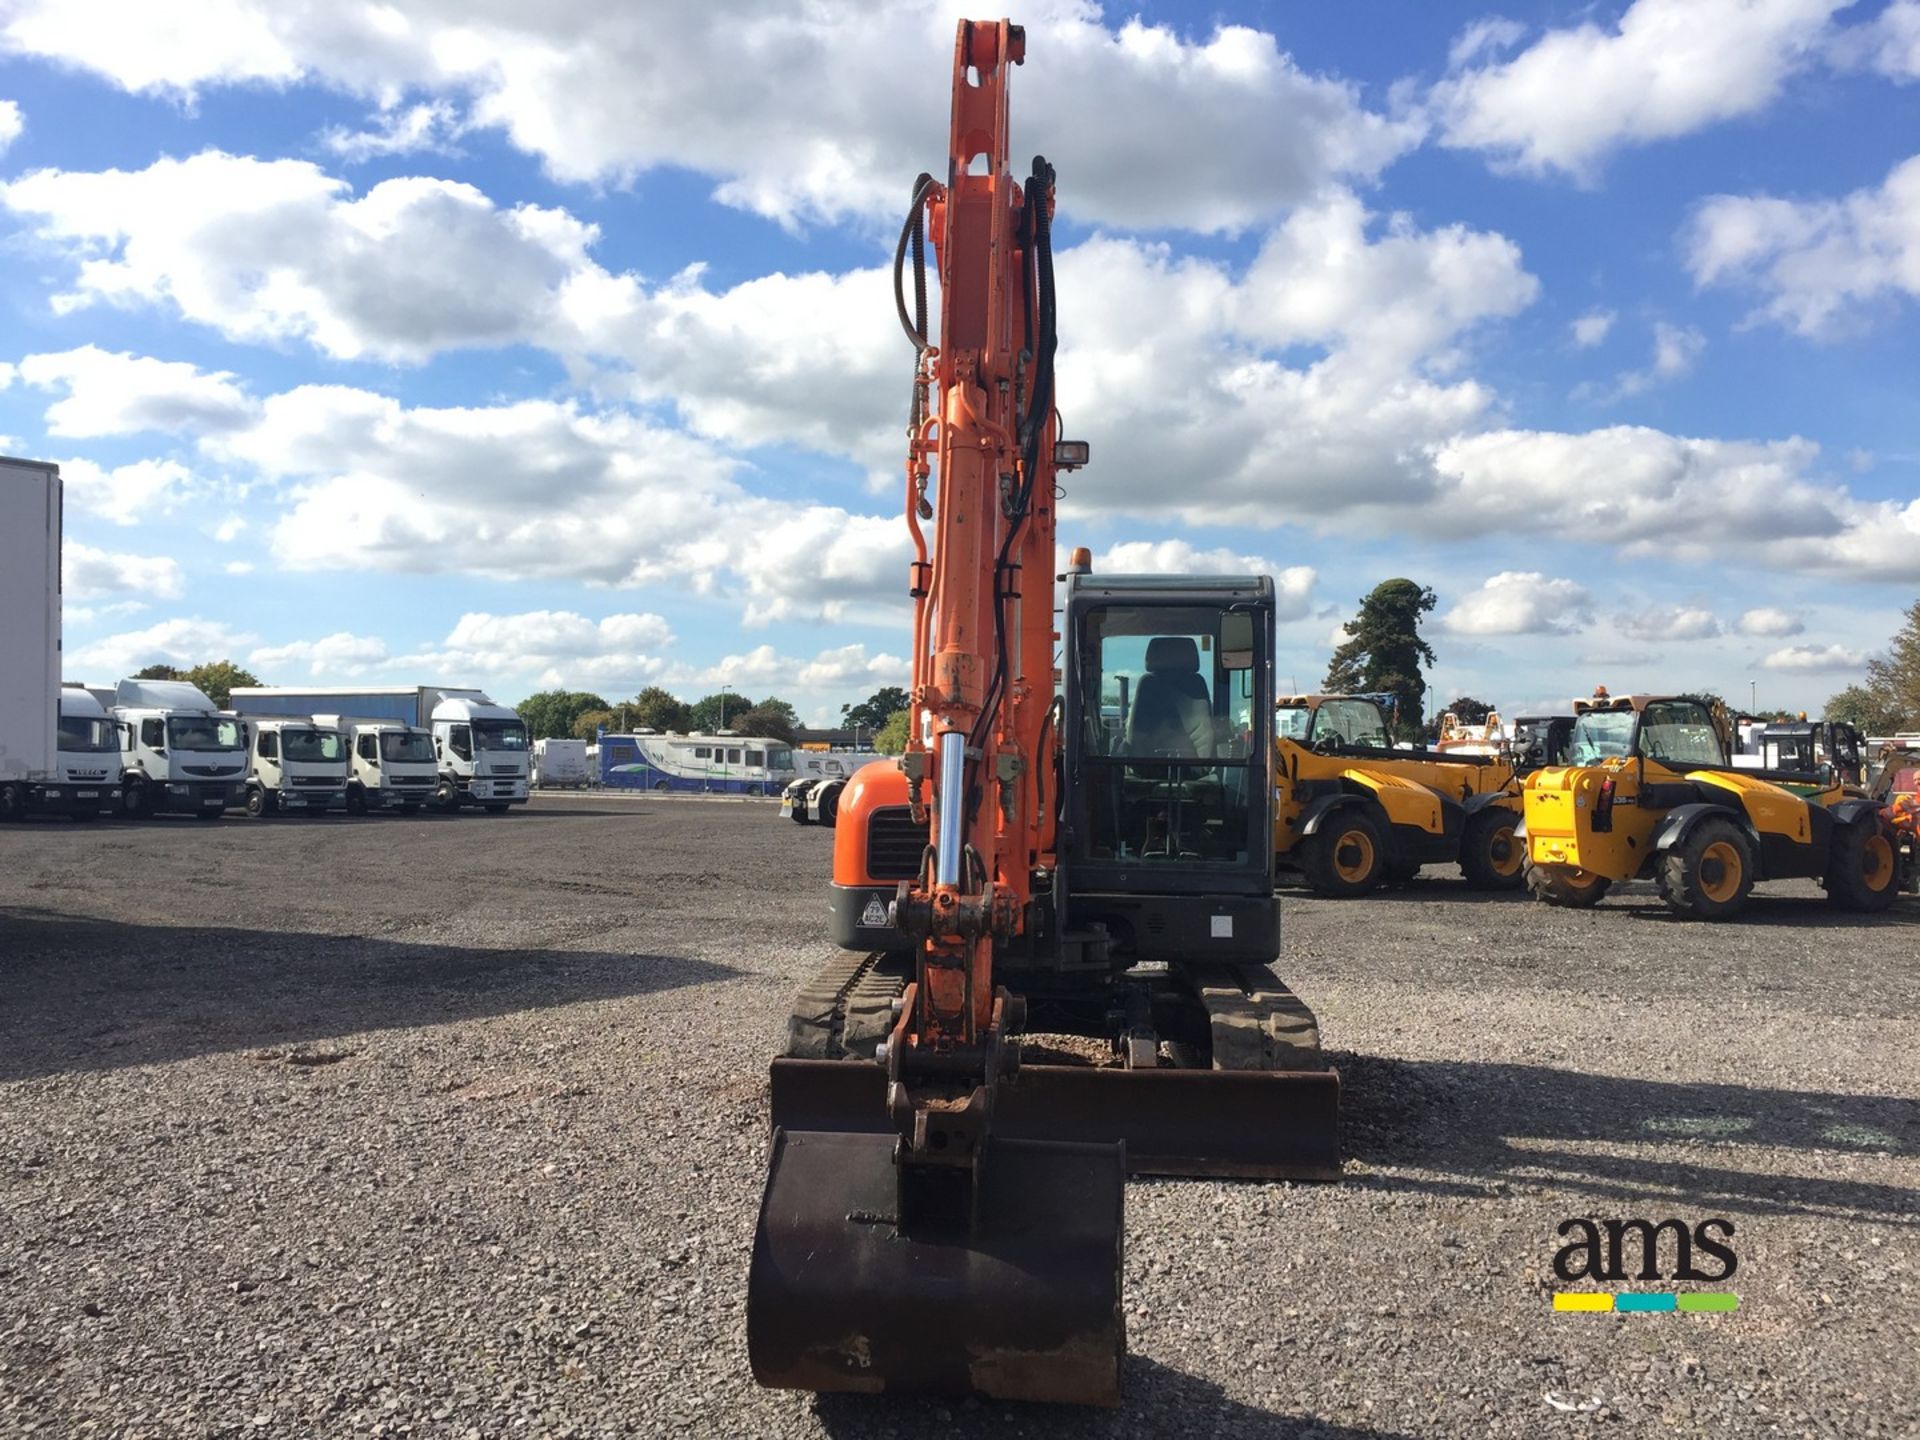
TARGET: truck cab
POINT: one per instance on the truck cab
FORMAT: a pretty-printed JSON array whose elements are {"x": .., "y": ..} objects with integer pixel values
[
  {"x": 392, "y": 764},
  {"x": 294, "y": 764},
  {"x": 84, "y": 781},
  {"x": 483, "y": 755},
  {"x": 179, "y": 754}
]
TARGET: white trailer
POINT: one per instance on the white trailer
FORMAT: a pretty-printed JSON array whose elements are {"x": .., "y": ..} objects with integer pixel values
[
  {"x": 560, "y": 764},
  {"x": 40, "y": 771},
  {"x": 480, "y": 747}
]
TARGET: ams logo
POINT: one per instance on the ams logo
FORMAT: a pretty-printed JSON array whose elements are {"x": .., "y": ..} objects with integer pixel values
[{"x": 1600, "y": 1250}]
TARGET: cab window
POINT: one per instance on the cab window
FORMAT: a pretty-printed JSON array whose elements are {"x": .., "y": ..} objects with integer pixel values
[
  {"x": 1679, "y": 732},
  {"x": 368, "y": 747},
  {"x": 269, "y": 747},
  {"x": 460, "y": 741},
  {"x": 153, "y": 734},
  {"x": 1352, "y": 722}
]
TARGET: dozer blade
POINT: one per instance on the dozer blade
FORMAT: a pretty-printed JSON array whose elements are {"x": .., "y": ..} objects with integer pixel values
[
  {"x": 1025, "y": 1305},
  {"x": 1238, "y": 1124}
]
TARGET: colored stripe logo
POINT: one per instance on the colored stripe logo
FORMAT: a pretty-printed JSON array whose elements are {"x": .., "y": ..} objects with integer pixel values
[{"x": 1640, "y": 1302}]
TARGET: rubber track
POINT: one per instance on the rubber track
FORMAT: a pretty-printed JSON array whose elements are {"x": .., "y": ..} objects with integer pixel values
[
  {"x": 845, "y": 1010},
  {"x": 1257, "y": 1022}
]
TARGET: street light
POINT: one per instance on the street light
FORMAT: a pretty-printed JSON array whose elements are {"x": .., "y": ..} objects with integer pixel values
[{"x": 1753, "y": 696}]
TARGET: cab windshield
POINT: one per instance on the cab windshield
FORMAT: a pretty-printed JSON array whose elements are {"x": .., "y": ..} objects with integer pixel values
[
  {"x": 83, "y": 735},
  {"x": 1353, "y": 722},
  {"x": 1600, "y": 735},
  {"x": 499, "y": 735},
  {"x": 1292, "y": 722},
  {"x": 203, "y": 732},
  {"x": 310, "y": 745},
  {"x": 410, "y": 746}
]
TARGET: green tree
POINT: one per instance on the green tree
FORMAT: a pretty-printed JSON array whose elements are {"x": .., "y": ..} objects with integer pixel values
[
  {"x": 1383, "y": 651},
  {"x": 217, "y": 678},
  {"x": 553, "y": 713},
  {"x": 874, "y": 711},
  {"x": 1895, "y": 676},
  {"x": 1871, "y": 710},
  {"x": 586, "y": 725},
  {"x": 159, "y": 672},
  {"x": 658, "y": 709},
  {"x": 718, "y": 710},
  {"x": 769, "y": 720},
  {"x": 891, "y": 737}
]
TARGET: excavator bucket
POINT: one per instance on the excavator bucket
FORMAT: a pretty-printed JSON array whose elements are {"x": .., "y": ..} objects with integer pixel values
[
  {"x": 1025, "y": 1304},
  {"x": 1022, "y": 1304}
]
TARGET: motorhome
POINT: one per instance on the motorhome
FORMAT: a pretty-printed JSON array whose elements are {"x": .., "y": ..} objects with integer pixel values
[
  {"x": 178, "y": 752},
  {"x": 480, "y": 748},
  {"x": 294, "y": 764},
  {"x": 392, "y": 764},
  {"x": 560, "y": 764},
  {"x": 708, "y": 764}
]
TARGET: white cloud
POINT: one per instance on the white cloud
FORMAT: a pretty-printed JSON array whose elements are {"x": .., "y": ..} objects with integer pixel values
[
  {"x": 1815, "y": 658},
  {"x": 1768, "y": 622},
  {"x": 128, "y": 494},
  {"x": 11, "y": 123},
  {"x": 1669, "y": 622},
  {"x": 547, "y": 648},
  {"x": 277, "y": 249},
  {"x": 1493, "y": 32},
  {"x": 341, "y": 654},
  {"x": 1668, "y": 68},
  {"x": 230, "y": 529},
  {"x": 1819, "y": 266},
  {"x": 1889, "y": 44},
  {"x": 1231, "y": 129},
  {"x": 239, "y": 567},
  {"x": 1292, "y": 584},
  {"x": 847, "y": 669},
  {"x": 180, "y": 642},
  {"x": 430, "y": 126},
  {"x": 1676, "y": 350},
  {"x": 1591, "y": 328},
  {"x": 1519, "y": 602},
  {"x": 110, "y": 392},
  {"x": 87, "y": 571}
]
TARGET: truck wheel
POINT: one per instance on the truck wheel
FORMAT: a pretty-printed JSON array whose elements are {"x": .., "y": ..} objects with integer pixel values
[
  {"x": 356, "y": 800},
  {"x": 135, "y": 803},
  {"x": 257, "y": 805},
  {"x": 13, "y": 803},
  {"x": 1863, "y": 870},
  {"x": 1708, "y": 875},
  {"x": 1346, "y": 857},
  {"x": 444, "y": 796},
  {"x": 1567, "y": 885},
  {"x": 1492, "y": 857},
  {"x": 660, "y": 785}
]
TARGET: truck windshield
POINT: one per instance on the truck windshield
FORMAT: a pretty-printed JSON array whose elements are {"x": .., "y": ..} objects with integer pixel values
[
  {"x": 1600, "y": 735},
  {"x": 499, "y": 735},
  {"x": 310, "y": 745},
  {"x": 203, "y": 732},
  {"x": 410, "y": 746},
  {"x": 81, "y": 735}
]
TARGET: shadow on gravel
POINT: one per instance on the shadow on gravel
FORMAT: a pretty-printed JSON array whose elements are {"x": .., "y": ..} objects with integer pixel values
[
  {"x": 1154, "y": 1400},
  {"x": 1790, "y": 912},
  {"x": 1485, "y": 1121},
  {"x": 79, "y": 994}
]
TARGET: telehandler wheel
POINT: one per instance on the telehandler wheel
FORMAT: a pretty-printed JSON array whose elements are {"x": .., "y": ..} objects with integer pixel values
[
  {"x": 1567, "y": 885},
  {"x": 1492, "y": 857},
  {"x": 1347, "y": 857},
  {"x": 1708, "y": 875},
  {"x": 1863, "y": 870}
]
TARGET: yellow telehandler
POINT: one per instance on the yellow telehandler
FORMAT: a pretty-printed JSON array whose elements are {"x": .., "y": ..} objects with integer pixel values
[{"x": 1649, "y": 793}]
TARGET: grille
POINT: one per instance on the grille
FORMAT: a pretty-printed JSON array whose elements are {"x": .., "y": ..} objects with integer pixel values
[
  {"x": 211, "y": 769},
  {"x": 315, "y": 782},
  {"x": 894, "y": 844},
  {"x": 512, "y": 772}
]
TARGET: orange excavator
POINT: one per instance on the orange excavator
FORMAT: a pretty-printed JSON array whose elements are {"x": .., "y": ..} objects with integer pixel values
[{"x": 1055, "y": 912}]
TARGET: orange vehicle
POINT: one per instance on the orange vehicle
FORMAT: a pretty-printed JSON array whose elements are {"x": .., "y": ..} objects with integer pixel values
[{"x": 1057, "y": 911}]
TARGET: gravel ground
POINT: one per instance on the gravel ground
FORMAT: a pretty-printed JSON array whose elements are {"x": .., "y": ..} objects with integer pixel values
[{"x": 455, "y": 1127}]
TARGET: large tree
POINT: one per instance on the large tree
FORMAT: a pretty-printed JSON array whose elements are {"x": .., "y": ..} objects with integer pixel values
[
  {"x": 718, "y": 710},
  {"x": 160, "y": 672},
  {"x": 586, "y": 725},
  {"x": 1895, "y": 676},
  {"x": 1383, "y": 651},
  {"x": 553, "y": 713},
  {"x": 217, "y": 678},
  {"x": 769, "y": 720},
  {"x": 874, "y": 711},
  {"x": 658, "y": 709}
]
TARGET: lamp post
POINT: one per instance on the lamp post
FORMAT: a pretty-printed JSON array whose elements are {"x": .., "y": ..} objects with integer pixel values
[{"x": 1753, "y": 696}]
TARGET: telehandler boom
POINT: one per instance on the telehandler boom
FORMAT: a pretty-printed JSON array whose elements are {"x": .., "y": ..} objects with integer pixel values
[{"x": 1034, "y": 882}]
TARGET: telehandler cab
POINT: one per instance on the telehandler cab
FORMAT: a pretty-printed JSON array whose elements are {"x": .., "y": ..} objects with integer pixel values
[{"x": 1649, "y": 793}]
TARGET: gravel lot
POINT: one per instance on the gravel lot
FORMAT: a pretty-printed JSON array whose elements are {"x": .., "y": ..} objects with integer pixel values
[{"x": 455, "y": 1127}]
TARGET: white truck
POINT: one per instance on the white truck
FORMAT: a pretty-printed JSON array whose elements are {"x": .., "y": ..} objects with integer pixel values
[
  {"x": 179, "y": 753},
  {"x": 480, "y": 748},
  {"x": 393, "y": 764},
  {"x": 560, "y": 764},
  {"x": 58, "y": 752},
  {"x": 295, "y": 765}
]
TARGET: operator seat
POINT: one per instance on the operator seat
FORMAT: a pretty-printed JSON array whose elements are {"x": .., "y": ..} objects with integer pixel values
[{"x": 1172, "y": 716}]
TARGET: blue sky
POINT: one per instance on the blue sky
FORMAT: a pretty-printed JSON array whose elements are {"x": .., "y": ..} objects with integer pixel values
[{"x": 478, "y": 344}]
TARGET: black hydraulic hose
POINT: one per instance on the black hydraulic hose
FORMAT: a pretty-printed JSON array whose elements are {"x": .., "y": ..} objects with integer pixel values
[{"x": 913, "y": 232}]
